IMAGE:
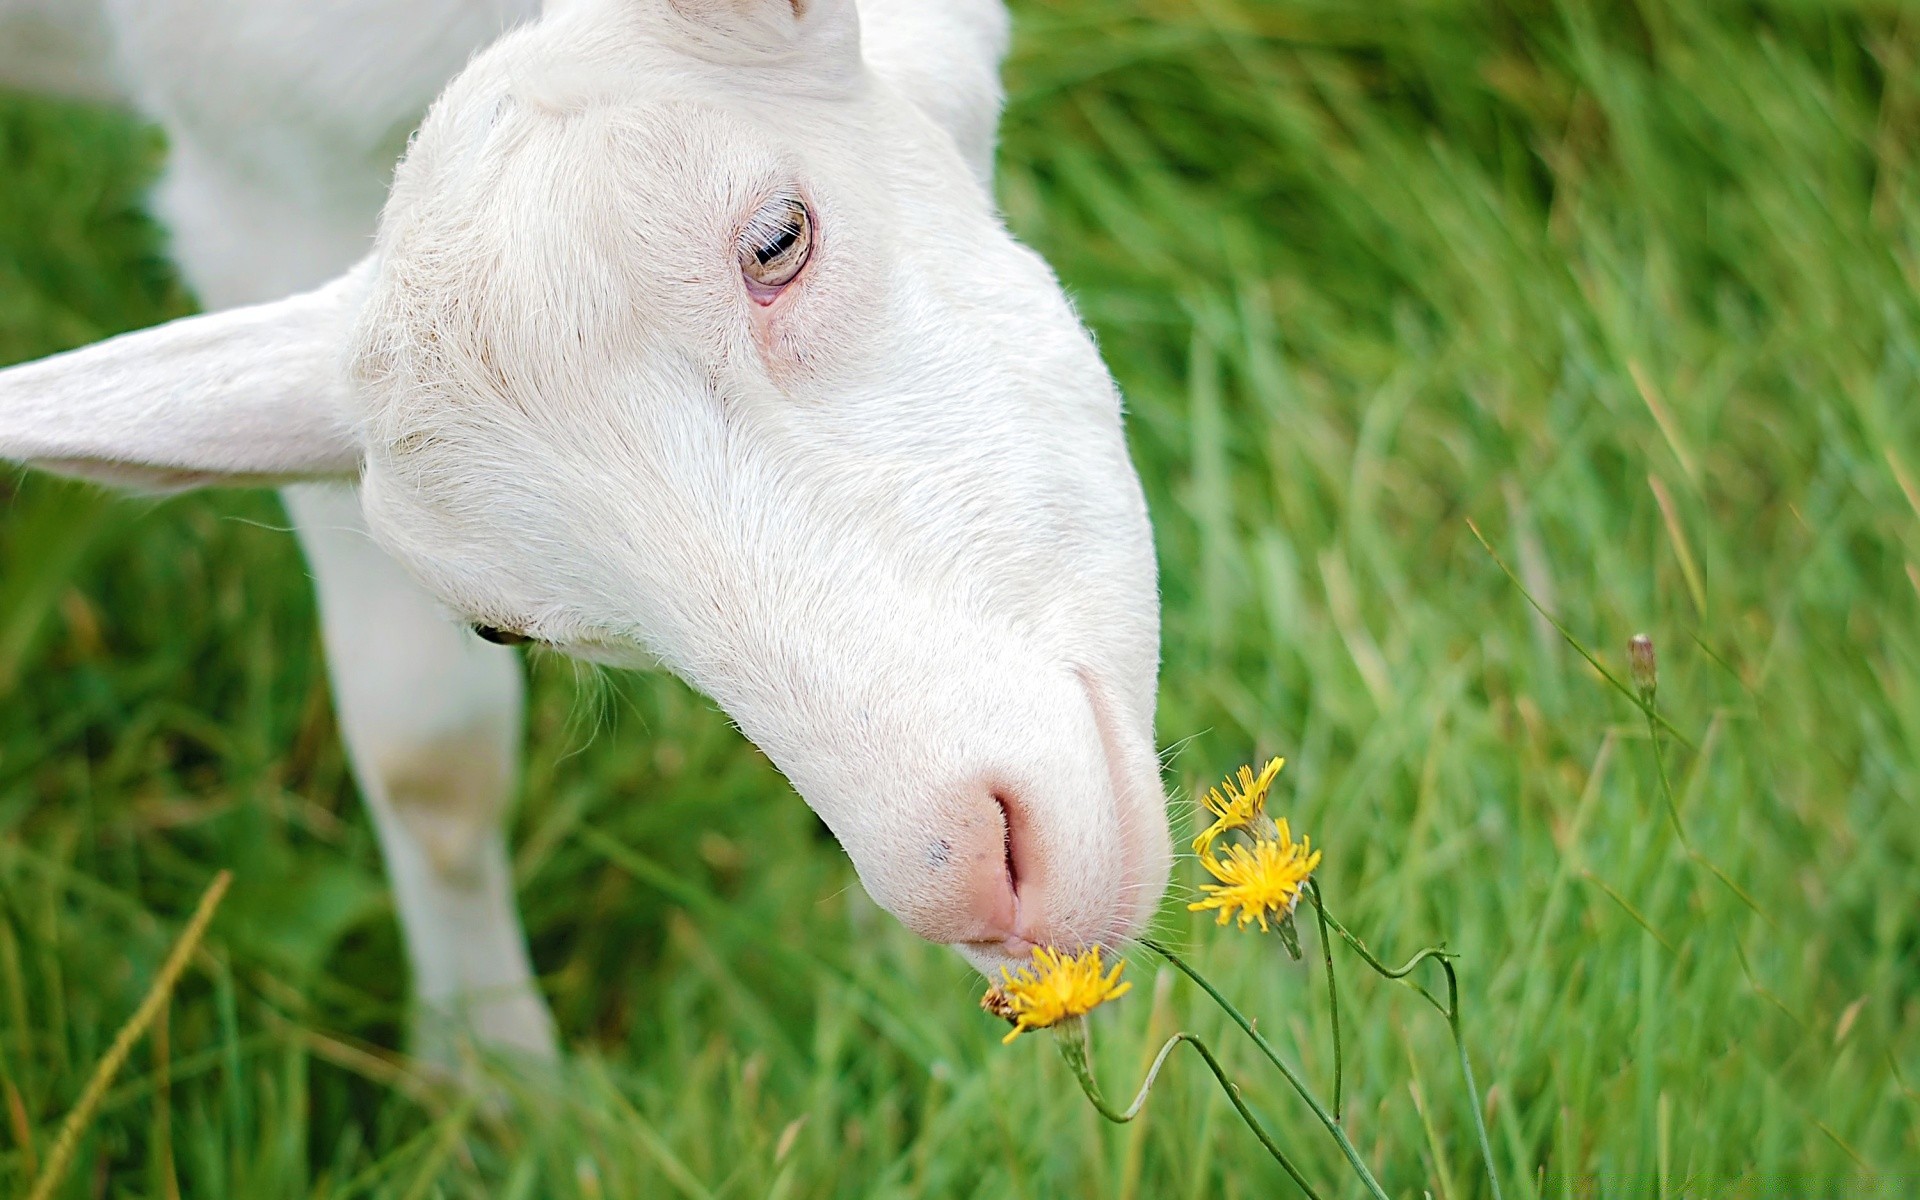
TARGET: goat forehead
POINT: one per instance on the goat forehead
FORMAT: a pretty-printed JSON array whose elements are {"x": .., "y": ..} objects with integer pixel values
[
  {"x": 664, "y": 184},
  {"x": 562, "y": 66},
  {"x": 675, "y": 154},
  {"x": 580, "y": 236},
  {"x": 596, "y": 46}
]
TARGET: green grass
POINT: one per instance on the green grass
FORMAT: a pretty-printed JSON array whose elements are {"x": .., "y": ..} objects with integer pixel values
[{"x": 1632, "y": 288}]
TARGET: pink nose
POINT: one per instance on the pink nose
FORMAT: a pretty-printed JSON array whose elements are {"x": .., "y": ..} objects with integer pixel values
[{"x": 990, "y": 882}]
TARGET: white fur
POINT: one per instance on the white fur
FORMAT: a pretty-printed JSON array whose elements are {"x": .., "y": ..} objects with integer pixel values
[
  {"x": 887, "y": 521},
  {"x": 63, "y": 46}
]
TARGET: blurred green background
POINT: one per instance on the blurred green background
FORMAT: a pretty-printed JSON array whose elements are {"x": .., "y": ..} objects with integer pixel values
[{"x": 1629, "y": 286}]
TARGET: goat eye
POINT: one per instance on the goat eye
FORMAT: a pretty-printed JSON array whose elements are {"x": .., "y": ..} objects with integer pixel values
[
  {"x": 775, "y": 245},
  {"x": 499, "y": 637}
]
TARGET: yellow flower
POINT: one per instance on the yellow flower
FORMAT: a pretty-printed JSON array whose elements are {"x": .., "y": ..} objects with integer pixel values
[
  {"x": 1266, "y": 880},
  {"x": 1056, "y": 987},
  {"x": 1241, "y": 805}
]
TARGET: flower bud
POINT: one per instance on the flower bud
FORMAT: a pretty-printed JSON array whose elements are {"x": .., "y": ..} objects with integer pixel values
[
  {"x": 1641, "y": 665},
  {"x": 998, "y": 1003}
]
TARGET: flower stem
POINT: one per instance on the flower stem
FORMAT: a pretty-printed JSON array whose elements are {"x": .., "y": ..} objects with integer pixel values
[
  {"x": 1466, "y": 1073},
  {"x": 1660, "y": 767},
  {"x": 1073, "y": 1049},
  {"x": 1319, "y": 1110},
  {"x": 1450, "y": 1010},
  {"x": 1567, "y": 634},
  {"x": 1673, "y": 812},
  {"x": 1333, "y": 995},
  {"x": 1359, "y": 947}
]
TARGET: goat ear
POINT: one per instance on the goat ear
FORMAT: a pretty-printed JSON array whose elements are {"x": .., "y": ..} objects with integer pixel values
[
  {"x": 249, "y": 396},
  {"x": 944, "y": 56},
  {"x": 826, "y": 33}
]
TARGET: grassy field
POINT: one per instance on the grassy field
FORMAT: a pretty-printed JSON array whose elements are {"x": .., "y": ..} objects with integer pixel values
[{"x": 1630, "y": 288}]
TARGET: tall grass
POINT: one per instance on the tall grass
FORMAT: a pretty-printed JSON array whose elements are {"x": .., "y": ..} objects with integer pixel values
[{"x": 1630, "y": 287}]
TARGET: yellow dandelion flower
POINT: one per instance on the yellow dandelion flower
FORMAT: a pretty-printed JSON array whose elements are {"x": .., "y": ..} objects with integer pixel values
[
  {"x": 1241, "y": 805},
  {"x": 1055, "y": 987},
  {"x": 1264, "y": 881}
]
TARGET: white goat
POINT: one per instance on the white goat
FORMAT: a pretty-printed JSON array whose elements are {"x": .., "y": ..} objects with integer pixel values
[{"x": 690, "y": 336}]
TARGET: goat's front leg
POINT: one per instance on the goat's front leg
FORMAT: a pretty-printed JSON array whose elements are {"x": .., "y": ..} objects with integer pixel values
[{"x": 431, "y": 716}]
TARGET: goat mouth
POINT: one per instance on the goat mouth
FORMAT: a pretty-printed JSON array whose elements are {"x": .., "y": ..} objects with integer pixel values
[{"x": 1013, "y": 948}]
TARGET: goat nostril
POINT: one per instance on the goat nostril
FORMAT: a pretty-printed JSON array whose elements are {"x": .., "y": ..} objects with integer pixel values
[
  {"x": 1006, "y": 841},
  {"x": 989, "y": 865}
]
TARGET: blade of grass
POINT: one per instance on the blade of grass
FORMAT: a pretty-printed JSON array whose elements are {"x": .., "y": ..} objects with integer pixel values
[{"x": 60, "y": 1157}]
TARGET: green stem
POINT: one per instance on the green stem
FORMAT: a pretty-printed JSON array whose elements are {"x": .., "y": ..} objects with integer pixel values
[
  {"x": 1073, "y": 1049},
  {"x": 1450, "y": 1010},
  {"x": 1660, "y": 766},
  {"x": 1567, "y": 635},
  {"x": 1401, "y": 972},
  {"x": 1319, "y": 1110},
  {"x": 1333, "y": 994},
  {"x": 1466, "y": 1073},
  {"x": 1679, "y": 830}
]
